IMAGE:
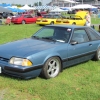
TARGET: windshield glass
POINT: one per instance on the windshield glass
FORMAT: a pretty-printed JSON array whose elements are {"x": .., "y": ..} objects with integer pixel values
[
  {"x": 47, "y": 16},
  {"x": 54, "y": 33}
]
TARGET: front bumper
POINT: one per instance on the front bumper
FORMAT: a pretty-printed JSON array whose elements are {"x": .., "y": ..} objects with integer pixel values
[{"x": 21, "y": 72}]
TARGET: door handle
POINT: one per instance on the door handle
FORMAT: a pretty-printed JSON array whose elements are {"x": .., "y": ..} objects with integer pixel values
[{"x": 90, "y": 44}]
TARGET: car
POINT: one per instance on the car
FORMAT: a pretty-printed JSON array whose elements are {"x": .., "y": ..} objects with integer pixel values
[
  {"x": 49, "y": 19},
  {"x": 50, "y": 50},
  {"x": 4, "y": 15},
  {"x": 23, "y": 19},
  {"x": 43, "y": 12},
  {"x": 78, "y": 19}
]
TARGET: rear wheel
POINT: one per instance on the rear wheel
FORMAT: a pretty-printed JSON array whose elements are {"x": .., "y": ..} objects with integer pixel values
[
  {"x": 51, "y": 68},
  {"x": 74, "y": 24},
  {"x": 51, "y": 23},
  {"x": 97, "y": 55},
  {"x": 40, "y": 25},
  {"x": 23, "y": 22}
]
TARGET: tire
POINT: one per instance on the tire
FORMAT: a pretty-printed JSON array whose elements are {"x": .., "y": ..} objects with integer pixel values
[
  {"x": 51, "y": 23},
  {"x": 74, "y": 24},
  {"x": 40, "y": 25},
  {"x": 51, "y": 68},
  {"x": 97, "y": 55},
  {"x": 23, "y": 22}
]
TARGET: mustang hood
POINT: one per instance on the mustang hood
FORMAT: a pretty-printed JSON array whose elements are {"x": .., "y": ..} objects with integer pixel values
[{"x": 22, "y": 47}]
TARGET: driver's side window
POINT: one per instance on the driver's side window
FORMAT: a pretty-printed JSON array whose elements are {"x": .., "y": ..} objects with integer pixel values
[{"x": 80, "y": 36}]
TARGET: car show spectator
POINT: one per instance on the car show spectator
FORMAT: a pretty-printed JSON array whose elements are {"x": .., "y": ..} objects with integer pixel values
[
  {"x": 88, "y": 19},
  {"x": 8, "y": 20},
  {"x": 38, "y": 13}
]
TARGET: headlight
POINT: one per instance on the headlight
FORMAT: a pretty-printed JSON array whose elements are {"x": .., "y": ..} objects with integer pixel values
[{"x": 20, "y": 61}]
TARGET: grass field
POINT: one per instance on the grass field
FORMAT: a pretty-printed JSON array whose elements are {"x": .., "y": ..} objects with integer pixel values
[{"x": 80, "y": 82}]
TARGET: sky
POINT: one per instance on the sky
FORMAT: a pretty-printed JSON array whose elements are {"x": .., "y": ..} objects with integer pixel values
[{"x": 23, "y": 2}]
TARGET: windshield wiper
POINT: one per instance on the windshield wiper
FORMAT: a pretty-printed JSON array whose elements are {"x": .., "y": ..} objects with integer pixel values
[
  {"x": 36, "y": 37},
  {"x": 49, "y": 38}
]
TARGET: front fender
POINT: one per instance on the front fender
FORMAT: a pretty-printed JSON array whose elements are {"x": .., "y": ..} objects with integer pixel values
[{"x": 52, "y": 55}]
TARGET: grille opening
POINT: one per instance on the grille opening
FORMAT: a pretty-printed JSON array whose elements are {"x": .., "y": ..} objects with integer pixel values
[{"x": 4, "y": 59}]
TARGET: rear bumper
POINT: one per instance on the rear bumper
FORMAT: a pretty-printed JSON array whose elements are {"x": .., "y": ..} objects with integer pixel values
[{"x": 42, "y": 23}]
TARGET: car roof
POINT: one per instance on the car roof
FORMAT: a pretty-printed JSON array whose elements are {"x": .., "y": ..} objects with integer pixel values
[
  {"x": 51, "y": 14},
  {"x": 68, "y": 26}
]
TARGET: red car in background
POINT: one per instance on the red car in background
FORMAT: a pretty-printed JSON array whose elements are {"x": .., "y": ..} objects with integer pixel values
[{"x": 23, "y": 19}]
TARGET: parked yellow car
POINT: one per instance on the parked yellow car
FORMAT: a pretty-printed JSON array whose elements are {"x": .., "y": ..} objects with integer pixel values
[
  {"x": 49, "y": 19},
  {"x": 78, "y": 19}
]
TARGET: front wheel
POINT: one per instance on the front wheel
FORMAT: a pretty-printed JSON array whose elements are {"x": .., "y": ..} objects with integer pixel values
[{"x": 51, "y": 68}]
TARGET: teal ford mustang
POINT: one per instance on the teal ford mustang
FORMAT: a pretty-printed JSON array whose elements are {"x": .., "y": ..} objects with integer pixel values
[{"x": 49, "y": 51}]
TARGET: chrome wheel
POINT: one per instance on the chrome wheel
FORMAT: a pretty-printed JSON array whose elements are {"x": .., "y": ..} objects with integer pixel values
[
  {"x": 23, "y": 22},
  {"x": 52, "y": 67}
]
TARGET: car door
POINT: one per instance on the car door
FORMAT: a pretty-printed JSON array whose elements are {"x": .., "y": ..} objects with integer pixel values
[
  {"x": 28, "y": 19},
  {"x": 31, "y": 19},
  {"x": 79, "y": 21},
  {"x": 79, "y": 48}
]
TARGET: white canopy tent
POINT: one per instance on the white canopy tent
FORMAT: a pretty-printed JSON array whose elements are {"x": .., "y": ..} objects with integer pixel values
[
  {"x": 26, "y": 7},
  {"x": 83, "y": 6},
  {"x": 69, "y": 1},
  {"x": 58, "y": 10}
]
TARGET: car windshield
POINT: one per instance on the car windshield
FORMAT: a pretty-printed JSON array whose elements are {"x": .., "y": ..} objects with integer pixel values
[
  {"x": 47, "y": 16},
  {"x": 17, "y": 16},
  {"x": 53, "y": 33}
]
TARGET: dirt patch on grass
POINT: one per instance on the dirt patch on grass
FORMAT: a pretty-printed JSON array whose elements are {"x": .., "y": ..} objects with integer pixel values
[{"x": 2, "y": 93}]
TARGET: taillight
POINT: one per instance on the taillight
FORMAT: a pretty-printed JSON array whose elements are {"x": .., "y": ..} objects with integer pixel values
[
  {"x": 65, "y": 21},
  {"x": 37, "y": 20},
  {"x": 58, "y": 21},
  {"x": 45, "y": 21}
]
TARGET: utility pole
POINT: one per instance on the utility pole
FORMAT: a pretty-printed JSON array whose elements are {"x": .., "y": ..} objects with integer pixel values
[
  {"x": 96, "y": 1},
  {"x": 26, "y": 2},
  {"x": 82, "y": 1}
]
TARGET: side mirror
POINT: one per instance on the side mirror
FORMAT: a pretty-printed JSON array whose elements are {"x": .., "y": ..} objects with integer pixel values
[{"x": 73, "y": 42}]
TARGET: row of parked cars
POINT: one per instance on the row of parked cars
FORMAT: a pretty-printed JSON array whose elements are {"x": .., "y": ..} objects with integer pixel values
[
  {"x": 48, "y": 19},
  {"x": 77, "y": 19},
  {"x": 5, "y": 15}
]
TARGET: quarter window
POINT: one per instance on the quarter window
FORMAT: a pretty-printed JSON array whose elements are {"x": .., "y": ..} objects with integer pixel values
[{"x": 93, "y": 35}]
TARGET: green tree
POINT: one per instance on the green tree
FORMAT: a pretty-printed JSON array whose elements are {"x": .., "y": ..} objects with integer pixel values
[{"x": 38, "y": 4}]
